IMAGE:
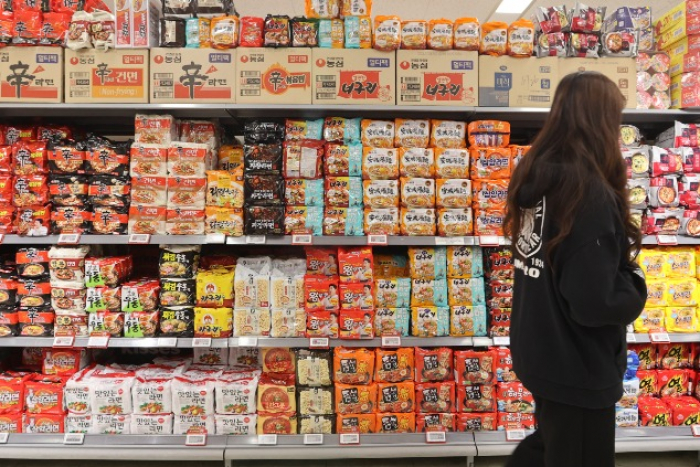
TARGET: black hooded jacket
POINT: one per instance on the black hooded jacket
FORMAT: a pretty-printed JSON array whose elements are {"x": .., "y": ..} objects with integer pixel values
[{"x": 569, "y": 316}]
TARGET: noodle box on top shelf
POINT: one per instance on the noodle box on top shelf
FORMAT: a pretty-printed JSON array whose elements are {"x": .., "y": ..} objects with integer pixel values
[
  {"x": 193, "y": 75},
  {"x": 621, "y": 70},
  {"x": 436, "y": 77},
  {"x": 31, "y": 74},
  {"x": 273, "y": 76},
  {"x": 118, "y": 76},
  {"x": 517, "y": 82},
  {"x": 354, "y": 77}
]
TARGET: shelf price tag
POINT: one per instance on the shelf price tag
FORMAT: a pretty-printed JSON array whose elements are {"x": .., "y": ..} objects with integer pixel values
[
  {"x": 489, "y": 240},
  {"x": 247, "y": 342},
  {"x": 139, "y": 239},
  {"x": 349, "y": 439},
  {"x": 449, "y": 240},
  {"x": 631, "y": 337},
  {"x": 481, "y": 341},
  {"x": 435, "y": 437},
  {"x": 695, "y": 430},
  {"x": 215, "y": 238},
  {"x": 377, "y": 240},
  {"x": 196, "y": 440},
  {"x": 659, "y": 337},
  {"x": 313, "y": 439},
  {"x": 515, "y": 435},
  {"x": 667, "y": 240},
  {"x": 63, "y": 341},
  {"x": 69, "y": 239},
  {"x": 255, "y": 239},
  {"x": 319, "y": 343},
  {"x": 4, "y": 437},
  {"x": 74, "y": 438},
  {"x": 501, "y": 340},
  {"x": 201, "y": 342},
  {"x": 302, "y": 240},
  {"x": 2, "y": 238},
  {"x": 98, "y": 342},
  {"x": 167, "y": 342},
  {"x": 391, "y": 341},
  {"x": 267, "y": 440}
]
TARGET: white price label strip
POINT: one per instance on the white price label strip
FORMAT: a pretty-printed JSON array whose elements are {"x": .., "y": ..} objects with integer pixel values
[
  {"x": 69, "y": 239},
  {"x": 196, "y": 440},
  {"x": 377, "y": 240},
  {"x": 74, "y": 438},
  {"x": 631, "y": 337},
  {"x": 2, "y": 238},
  {"x": 659, "y": 337},
  {"x": 139, "y": 239},
  {"x": 349, "y": 439},
  {"x": 302, "y": 240},
  {"x": 449, "y": 240},
  {"x": 313, "y": 439},
  {"x": 4, "y": 437},
  {"x": 481, "y": 341},
  {"x": 695, "y": 430},
  {"x": 63, "y": 341},
  {"x": 267, "y": 440},
  {"x": 435, "y": 437},
  {"x": 201, "y": 342},
  {"x": 167, "y": 342},
  {"x": 501, "y": 340},
  {"x": 98, "y": 342},
  {"x": 489, "y": 240},
  {"x": 255, "y": 239},
  {"x": 319, "y": 343},
  {"x": 515, "y": 435},
  {"x": 215, "y": 238},
  {"x": 667, "y": 240},
  {"x": 247, "y": 342},
  {"x": 391, "y": 341}
]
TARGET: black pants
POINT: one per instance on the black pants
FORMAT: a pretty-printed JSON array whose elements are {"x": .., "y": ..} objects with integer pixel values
[{"x": 568, "y": 436}]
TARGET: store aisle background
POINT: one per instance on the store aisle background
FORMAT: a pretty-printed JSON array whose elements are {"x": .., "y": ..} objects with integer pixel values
[{"x": 671, "y": 459}]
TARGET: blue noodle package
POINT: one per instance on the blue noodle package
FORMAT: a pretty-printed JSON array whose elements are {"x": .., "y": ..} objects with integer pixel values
[
  {"x": 465, "y": 261},
  {"x": 392, "y": 293},
  {"x": 468, "y": 321},
  {"x": 300, "y": 192},
  {"x": 430, "y": 321},
  {"x": 429, "y": 292},
  {"x": 466, "y": 292},
  {"x": 428, "y": 262},
  {"x": 391, "y": 322}
]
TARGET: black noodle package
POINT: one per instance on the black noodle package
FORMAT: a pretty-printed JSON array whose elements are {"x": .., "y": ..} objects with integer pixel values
[
  {"x": 177, "y": 292},
  {"x": 177, "y": 321},
  {"x": 263, "y": 132},
  {"x": 264, "y": 190},
  {"x": 68, "y": 190},
  {"x": 263, "y": 157},
  {"x": 172, "y": 32},
  {"x": 178, "y": 261},
  {"x": 264, "y": 220},
  {"x": 108, "y": 220}
]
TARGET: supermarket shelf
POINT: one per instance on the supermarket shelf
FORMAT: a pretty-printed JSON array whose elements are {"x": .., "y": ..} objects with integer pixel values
[
  {"x": 108, "y": 240},
  {"x": 651, "y": 240},
  {"x": 371, "y": 446},
  {"x": 113, "y": 110},
  {"x": 112, "y": 447},
  {"x": 494, "y": 443},
  {"x": 301, "y": 342}
]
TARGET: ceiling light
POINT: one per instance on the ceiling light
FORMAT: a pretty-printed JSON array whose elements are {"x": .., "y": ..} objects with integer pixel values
[{"x": 513, "y": 6}]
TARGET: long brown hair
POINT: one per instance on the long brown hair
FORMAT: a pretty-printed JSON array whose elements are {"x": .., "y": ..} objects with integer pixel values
[{"x": 576, "y": 151}]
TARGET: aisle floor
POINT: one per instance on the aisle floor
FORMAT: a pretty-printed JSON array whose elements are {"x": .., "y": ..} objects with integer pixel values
[{"x": 673, "y": 459}]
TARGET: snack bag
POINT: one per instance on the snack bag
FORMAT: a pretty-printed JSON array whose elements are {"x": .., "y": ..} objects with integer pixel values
[
  {"x": 466, "y": 34},
  {"x": 494, "y": 38},
  {"x": 440, "y": 34},
  {"x": 387, "y": 33},
  {"x": 414, "y": 35}
]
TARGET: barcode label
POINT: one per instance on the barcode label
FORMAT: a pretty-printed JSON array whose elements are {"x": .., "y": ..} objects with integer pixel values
[
  {"x": 325, "y": 78},
  {"x": 410, "y": 80},
  {"x": 406, "y": 98},
  {"x": 539, "y": 98},
  {"x": 79, "y": 75},
  {"x": 325, "y": 95},
  {"x": 161, "y": 95},
  {"x": 247, "y": 74},
  {"x": 80, "y": 93},
  {"x": 250, "y": 92},
  {"x": 163, "y": 76}
]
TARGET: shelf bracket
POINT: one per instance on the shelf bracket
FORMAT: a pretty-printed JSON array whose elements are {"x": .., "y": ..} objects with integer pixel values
[{"x": 470, "y": 461}]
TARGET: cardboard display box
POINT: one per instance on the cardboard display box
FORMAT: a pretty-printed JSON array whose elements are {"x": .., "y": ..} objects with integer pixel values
[
  {"x": 687, "y": 12},
  {"x": 517, "y": 82},
  {"x": 685, "y": 91},
  {"x": 193, "y": 75},
  {"x": 622, "y": 70},
  {"x": 31, "y": 74},
  {"x": 117, "y": 76},
  {"x": 273, "y": 76},
  {"x": 349, "y": 76},
  {"x": 434, "y": 77}
]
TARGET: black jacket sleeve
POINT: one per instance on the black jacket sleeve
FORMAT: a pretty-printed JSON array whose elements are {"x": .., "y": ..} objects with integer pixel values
[{"x": 599, "y": 289}]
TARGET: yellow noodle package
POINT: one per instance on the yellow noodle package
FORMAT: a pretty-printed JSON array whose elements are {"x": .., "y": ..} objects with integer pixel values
[
  {"x": 251, "y": 322},
  {"x": 455, "y": 222},
  {"x": 464, "y": 262},
  {"x": 417, "y": 192},
  {"x": 325, "y": 9},
  {"x": 466, "y": 34},
  {"x": 223, "y": 190},
  {"x": 451, "y": 163},
  {"x": 378, "y": 133},
  {"x": 682, "y": 319},
  {"x": 380, "y": 163},
  {"x": 440, "y": 34},
  {"x": 454, "y": 193},
  {"x": 682, "y": 292},
  {"x": 411, "y": 133},
  {"x": 521, "y": 38},
  {"x": 448, "y": 134},
  {"x": 215, "y": 288},
  {"x": 414, "y": 35},
  {"x": 680, "y": 262},
  {"x": 356, "y": 8},
  {"x": 656, "y": 293},
  {"x": 651, "y": 319},
  {"x": 213, "y": 322},
  {"x": 417, "y": 162},
  {"x": 380, "y": 194},
  {"x": 494, "y": 38},
  {"x": 387, "y": 33},
  {"x": 653, "y": 263},
  {"x": 417, "y": 221}
]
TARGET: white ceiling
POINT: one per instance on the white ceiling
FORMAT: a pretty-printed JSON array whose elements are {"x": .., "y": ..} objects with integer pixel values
[{"x": 450, "y": 9}]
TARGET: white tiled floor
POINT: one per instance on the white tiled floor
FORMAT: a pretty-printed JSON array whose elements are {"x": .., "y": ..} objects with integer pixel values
[{"x": 689, "y": 459}]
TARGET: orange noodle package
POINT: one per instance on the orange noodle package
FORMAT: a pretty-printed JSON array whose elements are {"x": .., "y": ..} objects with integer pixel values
[
  {"x": 393, "y": 366},
  {"x": 396, "y": 397},
  {"x": 326, "y": 9},
  {"x": 355, "y": 399},
  {"x": 521, "y": 37},
  {"x": 434, "y": 364},
  {"x": 353, "y": 366},
  {"x": 435, "y": 422},
  {"x": 356, "y": 423},
  {"x": 252, "y": 31},
  {"x": 473, "y": 367},
  {"x": 356, "y": 8},
  {"x": 378, "y": 133},
  {"x": 466, "y": 34},
  {"x": 440, "y": 34},
  {"x": 355, "y": 264},
  {"x": 490, "y": 163},
  {"x": 396, "y": 423},
  {"x": 387, "y": 33},
  {"x": 494, "y": 38},
  {"x": 435, "y": 397},
  {"x": 414, "y": 35},
  {"x": 321, "y": 261},
  {"x": 489, "y": 133}
]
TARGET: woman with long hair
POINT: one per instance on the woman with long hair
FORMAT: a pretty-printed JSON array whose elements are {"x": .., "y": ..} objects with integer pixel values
[{"x": 576, "y": 283}]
